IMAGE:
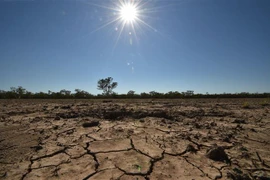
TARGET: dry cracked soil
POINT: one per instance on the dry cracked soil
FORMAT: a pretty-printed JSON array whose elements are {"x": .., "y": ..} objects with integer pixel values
[{"x": 135, "y": 139}]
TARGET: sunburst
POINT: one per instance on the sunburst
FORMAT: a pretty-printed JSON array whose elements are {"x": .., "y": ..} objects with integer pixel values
[{"x": 127, "y": 14}]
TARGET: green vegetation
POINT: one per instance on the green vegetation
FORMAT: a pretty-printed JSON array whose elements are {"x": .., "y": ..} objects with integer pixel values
[
  {"x": 107, "y": 85},
  {"x": 21, "y": 93},
  {"x": 246, "y": 105},
  {"x": 264, "y": 103}
]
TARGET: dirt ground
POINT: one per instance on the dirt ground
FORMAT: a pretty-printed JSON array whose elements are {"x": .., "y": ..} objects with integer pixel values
[{"x": 135, "y": 139}]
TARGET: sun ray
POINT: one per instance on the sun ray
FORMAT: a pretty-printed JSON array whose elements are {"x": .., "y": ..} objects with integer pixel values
[
  {"x": 101, "y": 27},
  {"x": 135, "y": 34},
  {"x": 102, "y": 6},
  {"x": 118, "y": 37},
  {"x": 147, "y": 25}
]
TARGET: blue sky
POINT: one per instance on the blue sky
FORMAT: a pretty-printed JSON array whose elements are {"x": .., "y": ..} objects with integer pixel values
[{"x": 210, "y": 46}]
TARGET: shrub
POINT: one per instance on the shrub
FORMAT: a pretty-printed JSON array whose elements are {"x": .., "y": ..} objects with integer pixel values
[
  {"x": 246, "y": 105},
  {"x": 264, "y": 103}
]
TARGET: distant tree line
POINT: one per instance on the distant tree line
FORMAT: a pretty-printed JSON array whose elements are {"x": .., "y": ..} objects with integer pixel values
[
  {"x": 21, "y": 93},
  {"x": 107, "y": 85}
]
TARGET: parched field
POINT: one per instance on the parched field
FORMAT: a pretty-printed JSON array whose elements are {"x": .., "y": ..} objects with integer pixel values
[{"x": 135, "y": 139}]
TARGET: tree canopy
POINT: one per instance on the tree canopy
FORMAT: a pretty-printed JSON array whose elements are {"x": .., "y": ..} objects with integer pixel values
[{"x": 107, "y": 85}]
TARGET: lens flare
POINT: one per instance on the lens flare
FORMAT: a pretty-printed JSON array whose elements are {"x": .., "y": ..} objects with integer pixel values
[
  {"x": 128, "y": 18},
  {"x": 128, "y": 13}
]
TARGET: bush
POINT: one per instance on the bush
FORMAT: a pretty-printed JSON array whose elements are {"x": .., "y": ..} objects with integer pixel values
[
  {"x": 246, "y": 105},
  {"x": 264, "y": 103}
]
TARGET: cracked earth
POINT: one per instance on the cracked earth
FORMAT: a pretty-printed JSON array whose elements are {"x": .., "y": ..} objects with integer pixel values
[{"x": 134, "y": 139}]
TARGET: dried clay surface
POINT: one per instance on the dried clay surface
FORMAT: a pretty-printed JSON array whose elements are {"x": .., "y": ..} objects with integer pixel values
[{"x": 189, "y": 139}]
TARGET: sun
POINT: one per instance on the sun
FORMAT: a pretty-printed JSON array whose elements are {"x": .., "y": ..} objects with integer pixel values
[
  {"x": 127, "y": 17},
  {"x": 128, "y": 13}
]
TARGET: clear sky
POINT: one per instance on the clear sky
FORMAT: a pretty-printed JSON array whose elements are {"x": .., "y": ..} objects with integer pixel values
[{"x": 210, "y": 46}]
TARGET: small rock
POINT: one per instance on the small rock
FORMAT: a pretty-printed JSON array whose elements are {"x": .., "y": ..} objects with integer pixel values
[
  {"x": 242, "y": 148},
  {"x": 114, "y": 114},
  {"x": 120, "y": 129},
  {"x": 213, "y": 124},
  {"x": 57, "y": 118},
  {"x": 236, "y": 170},
  {"x": 245, "y": 155},
  {"x": 207, "y": 126},
  {"x": 90, "y": 124},
  {"x": 130, "y": 131},
  {"x": 3, "y": 174},
  {"x": 66, "y": 107},
  {"x": 163, "y": 121},
  {"x": 191, "y": 148},
  {"x": 261, "y": 175},
  {"x": 197, "y": 136},
  {"x": 142, "y": 120},
  {"x": 239, "y": 127},
  {"x": 36, "y": 119},
  {"x": 197, "y": 125},
  {"x": 217, "y": 153},
  {"x": 226, "y": 139},
  {"x": 84, "y": 104},
  {"x": 239, "y": 121},
  {"x": 204, "y": 139},
  {"x": 237, "y": 176},
  {"x": 37, "y": 148}
]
